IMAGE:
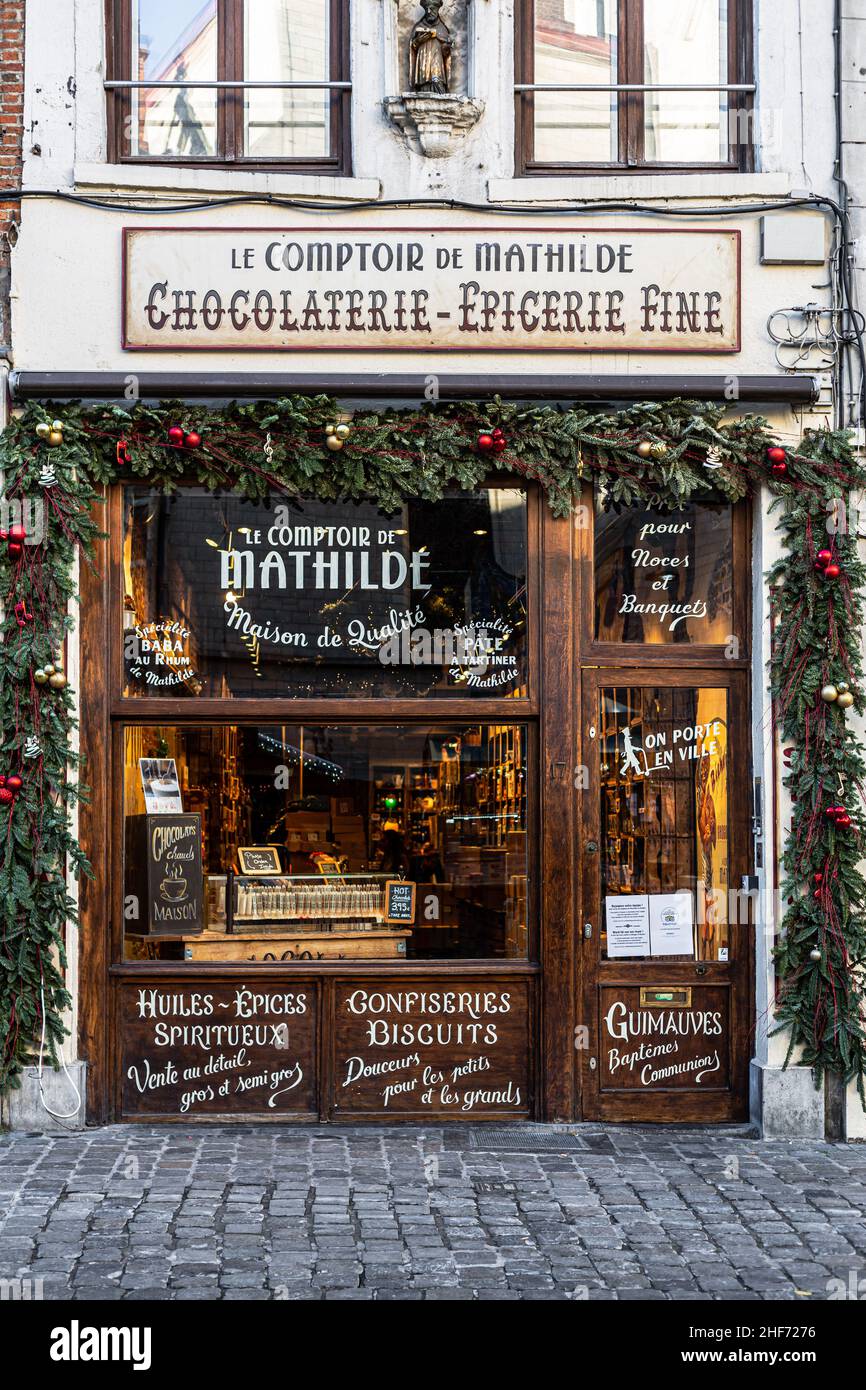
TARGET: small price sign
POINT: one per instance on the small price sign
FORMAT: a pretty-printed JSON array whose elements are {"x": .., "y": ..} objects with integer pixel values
[{"x": 399, "y": 901}]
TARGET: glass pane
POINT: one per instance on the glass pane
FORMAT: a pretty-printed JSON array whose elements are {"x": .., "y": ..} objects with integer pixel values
[
  {"x": 575, "y": 42},
  {"x": 172, "y": 40},
  {"x": 287, "y": 41},
  {"x": 664, "y": 823},
  {"x": 231, "y": 598},
  {"x": 277, "y": 842},
  {"x": 664, "y": 576},
  {"x": 686, "y": 42}
]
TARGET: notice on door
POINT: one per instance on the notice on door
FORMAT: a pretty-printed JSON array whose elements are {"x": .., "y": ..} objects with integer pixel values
[
  {"x": 220, "y": 1050},
  {"x": 458, "y": 1049},
  {"x": 422, "y": 289}
]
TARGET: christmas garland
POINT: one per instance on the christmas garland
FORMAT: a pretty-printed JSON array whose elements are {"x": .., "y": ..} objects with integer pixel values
[{"x": 658, "y": 455}]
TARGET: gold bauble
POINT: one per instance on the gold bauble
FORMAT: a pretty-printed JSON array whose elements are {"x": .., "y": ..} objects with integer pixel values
[
  {"x": 39, "y": 676},
  {"x": 329, "y": 429},
  {"x": 658, "y": 451},
  {"x": 343, "y": 431},
  {"x": 644, "y": 448},
  {"x": 333, "y": 442},
  {"x": 829, "y": 693},
  {"x": 55, "y": 437},
  {"x": 845, "y": 700},
  {"x": 43, "y": 429},
  {"x": 49, "y": 669},
  {"x": 843, "y": 687},
  {"x": 57, "y": 425},
  {"x": 57, "y": 681}
]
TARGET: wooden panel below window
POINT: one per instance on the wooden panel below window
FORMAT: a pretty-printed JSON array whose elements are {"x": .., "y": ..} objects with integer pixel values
[
  {"x": 663, "y": 1037},
  {"x": 218, "y": 1049},
  {"x": 448, "y": 1049}
]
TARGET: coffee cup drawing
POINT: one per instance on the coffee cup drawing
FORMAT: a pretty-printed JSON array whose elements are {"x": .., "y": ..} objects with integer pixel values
[{"x": 173, "y": 887}]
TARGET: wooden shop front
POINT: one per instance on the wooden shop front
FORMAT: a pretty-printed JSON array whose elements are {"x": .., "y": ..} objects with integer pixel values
[{"x": 438, "y": 814}]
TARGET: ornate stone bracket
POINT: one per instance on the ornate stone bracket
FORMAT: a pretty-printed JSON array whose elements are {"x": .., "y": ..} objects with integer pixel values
[{"x": 434, "y": 123}]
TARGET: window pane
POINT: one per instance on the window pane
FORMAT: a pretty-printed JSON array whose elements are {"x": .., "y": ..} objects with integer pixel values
[
  {"x": 664, "y": 576},
  {"x": 173, "y": 39},
  {"x": 286, "y": 40},
  {"x": 575, "y": 41},
  {"x": 686, "y": 42},
  {"x": 664, "y": 823},
  {"x": 225, "y": 597},
  {"x": 341, "y": 810}
]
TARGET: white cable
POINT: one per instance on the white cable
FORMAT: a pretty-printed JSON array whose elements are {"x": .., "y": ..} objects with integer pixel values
[{"x": 55, "y": 1114}]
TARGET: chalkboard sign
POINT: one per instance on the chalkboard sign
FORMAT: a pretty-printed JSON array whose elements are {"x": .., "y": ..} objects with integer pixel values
[
  {"x": 399, "y": 901},
  {"x": 163, "y": 871},
  {"x": 259, "y": 859}
]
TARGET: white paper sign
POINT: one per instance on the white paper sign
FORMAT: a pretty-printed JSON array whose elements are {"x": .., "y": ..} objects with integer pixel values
[
  {"x": 628, "y": 929},
  {"x": 671, "y": 919},
  {"x": 160, "y": 785}
]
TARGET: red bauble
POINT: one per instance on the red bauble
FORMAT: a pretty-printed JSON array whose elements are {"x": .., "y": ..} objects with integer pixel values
[
  {"x": 7, "y": 798},
  {"x": 823, "y": 558},
  {"x": 17, "y": 533},
  {"x": 15, "y": 549},
  {"x": 497, "y": 433},
  {"x": 779, "y": 470},
  {"x": 844, "y": 820},
  {"x": 122, "y": 453},
  {"x": 817, "y": 894},
  {"x": 818, "y": 878},
  {"x": 776, "y": 455},
  {"x": 192, "y": 440},
  {"x": 175, "y": 436},
  {"x": 500, "y": 445},
  {"x": 485, "y": 443},
  {"x": 832, "y": 811},
  {"x": 832, "y": 571},
  {"x": 14, "y": 783}
]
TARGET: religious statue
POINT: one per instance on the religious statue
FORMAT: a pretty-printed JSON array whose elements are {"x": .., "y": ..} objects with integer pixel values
[{"x": 430, "y": 52}]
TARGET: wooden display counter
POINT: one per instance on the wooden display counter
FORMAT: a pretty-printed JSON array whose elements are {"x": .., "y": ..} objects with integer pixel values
[{"x": 379, "y": 944}]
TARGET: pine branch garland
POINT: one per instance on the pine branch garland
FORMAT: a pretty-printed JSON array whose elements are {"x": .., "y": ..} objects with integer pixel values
[{"x": 254, "y": 449}]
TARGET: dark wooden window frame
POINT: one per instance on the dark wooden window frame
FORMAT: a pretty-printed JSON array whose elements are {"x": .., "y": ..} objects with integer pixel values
[
  {"x": 631, "y": 104},
  {"x": 230, "y": 116}
]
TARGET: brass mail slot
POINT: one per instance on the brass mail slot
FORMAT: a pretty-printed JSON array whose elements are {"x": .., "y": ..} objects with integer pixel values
[{"x": 666, "y": 997}]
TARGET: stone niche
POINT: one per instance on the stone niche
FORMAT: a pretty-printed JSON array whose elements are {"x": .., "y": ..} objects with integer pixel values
[{"x": 432, "y": 122}]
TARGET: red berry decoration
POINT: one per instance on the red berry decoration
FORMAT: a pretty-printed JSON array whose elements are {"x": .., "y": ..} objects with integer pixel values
[
  {"x": 779, "y": 470},
  {"x": 122, "y": 453},
  {"x": 775, "y": 454},
  {"x": 844, "y": 820},
  {"x": 485, "y": 443},
  {"x": 832, "y": 571},
  {"x": 192, "y": 440},
  {"x": 823, "y": 558},
  {"x": 7, "y": 798},
  {"x": 15, "y": 550},
  {"x": 175, "y": 436},
  {"x": 818, "y": 878}
]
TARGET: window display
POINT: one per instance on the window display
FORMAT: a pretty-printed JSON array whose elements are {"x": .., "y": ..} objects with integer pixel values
[
  {"x": 224, "y": 597},
  {"x": 335, "y": 842},
  {"x": 664, "y": 823},
  {"x": 663, "y": 577}
]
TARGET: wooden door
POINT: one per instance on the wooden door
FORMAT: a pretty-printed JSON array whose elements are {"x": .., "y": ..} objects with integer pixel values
[{"x": 663, "y": 925}]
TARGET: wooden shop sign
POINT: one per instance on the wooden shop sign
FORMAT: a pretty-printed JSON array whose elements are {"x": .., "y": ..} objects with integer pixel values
[
  {"x": 451, "y": 1049},
  {"x": 665, "y": 1037},
  {"x": 218, "y": 1049},
  {"x": 467, "y": 289}
]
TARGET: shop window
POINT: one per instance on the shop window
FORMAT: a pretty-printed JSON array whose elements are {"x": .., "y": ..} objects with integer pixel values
[
  {"x": 664, "y": 577},
  {"x": 230, "y": 81},
  {"x": 665, "y": 878},
  {"x": 283, "y": 842},
  {"x": 632, "y": 83},
  {"x": 227, "y": 598}
]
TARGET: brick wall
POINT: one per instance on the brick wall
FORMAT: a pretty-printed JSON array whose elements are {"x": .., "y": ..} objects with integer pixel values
[{"x": 11, "y": 129}]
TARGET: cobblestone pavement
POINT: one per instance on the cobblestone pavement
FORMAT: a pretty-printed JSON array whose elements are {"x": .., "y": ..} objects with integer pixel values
[{"x": 258, "y": 1212}]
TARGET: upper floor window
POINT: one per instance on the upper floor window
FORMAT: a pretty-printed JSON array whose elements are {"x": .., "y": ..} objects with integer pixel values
[
  {"x": 632, "y": 83},
  {"x": 230, "y": 81}
]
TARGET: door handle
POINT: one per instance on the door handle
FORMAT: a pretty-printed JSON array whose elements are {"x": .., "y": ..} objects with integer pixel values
[{"x": 591, "y": 847}]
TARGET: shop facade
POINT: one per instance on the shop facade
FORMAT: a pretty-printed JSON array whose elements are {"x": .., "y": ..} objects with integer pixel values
[{"x": 428, "y": 805}]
